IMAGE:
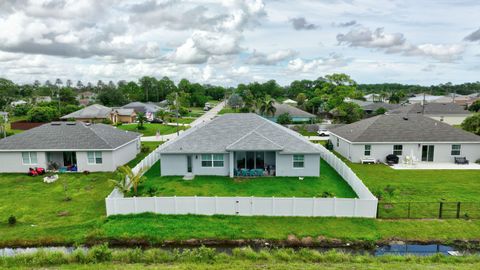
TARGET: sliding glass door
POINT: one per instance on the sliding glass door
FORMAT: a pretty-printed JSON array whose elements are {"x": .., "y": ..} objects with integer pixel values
[{"x": 428, "y": 152}]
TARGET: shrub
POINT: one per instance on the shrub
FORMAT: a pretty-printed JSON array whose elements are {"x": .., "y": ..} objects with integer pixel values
[
  {"x": 42, "y": 114},
  {"x": 284, "y": 119},
  {"x": 145, "y": 149},
  {"x": 21, "y": 110},
  {"x": 12, "y": 220},
  {"x": 100, "y": 253},
  {"x": 244, "y": 110},
  {"x": 107, "y": 121},
  {"x": 329, "y": 145},
  {"x": 380, "y": 111}
]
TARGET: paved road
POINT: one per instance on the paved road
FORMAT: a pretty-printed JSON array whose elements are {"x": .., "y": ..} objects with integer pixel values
[{"x": 208, "y": 116}]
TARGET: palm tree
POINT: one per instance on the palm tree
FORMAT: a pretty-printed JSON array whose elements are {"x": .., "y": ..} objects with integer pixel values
[
  {"x": 134, "y": 179},
  {"x": 121, "y": 184},
  {"x": 267, "y": 106},
  {"x": 161, "y": 114},
  {"x": 141, "y": 118}
]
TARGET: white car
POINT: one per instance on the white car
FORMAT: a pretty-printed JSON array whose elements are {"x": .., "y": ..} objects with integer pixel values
[{"x": 323, "y": 132}]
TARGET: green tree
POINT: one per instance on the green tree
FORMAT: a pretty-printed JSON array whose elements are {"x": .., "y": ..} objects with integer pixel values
[
  {"x": 347, "y": 112},
  {"x": 162, "y": 115},
  {"x": 475, "y": 107},
  {"x": 134, "y": 179},
  {"x": 380, "y": 111},
  {"x": 67, "y": 95},
  {"x": 235, "y": 101},
  {"x": 267, "y": 106},
  {"x": 284, "y": 119},
  {"x": 472, "y": 123},
  {"x": 301, "y": 97},
  {"x": 141, "y": 118},
  {"x": 42, "y": 114}
]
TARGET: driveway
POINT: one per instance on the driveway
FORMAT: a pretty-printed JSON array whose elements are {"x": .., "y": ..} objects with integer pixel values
[{"x": 208, "y": 116}]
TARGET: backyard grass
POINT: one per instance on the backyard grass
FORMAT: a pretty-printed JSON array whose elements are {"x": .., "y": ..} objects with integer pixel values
[
  {"x": 151, "y": 129},
  {"x": 150, "y": 145},
  {"x": 329, "y": 184},
  {"x": 419, "y": 185},
  {"x": 228, "y": 110},
  {"x": 183, "y": 120}
]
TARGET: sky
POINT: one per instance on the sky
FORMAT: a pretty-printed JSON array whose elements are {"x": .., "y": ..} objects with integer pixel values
[{"x": 229, "y": 42}]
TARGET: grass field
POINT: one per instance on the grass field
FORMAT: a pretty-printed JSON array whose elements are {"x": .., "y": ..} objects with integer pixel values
[
  {"x": 227, "y": 110},
  {"x": 184, "y": 120},
  {"x": 151, "y": 146},
  {"x": 329, "y": 184},
  {"x": 151, "y": 129},
  {"x": 419, "y": 185}
]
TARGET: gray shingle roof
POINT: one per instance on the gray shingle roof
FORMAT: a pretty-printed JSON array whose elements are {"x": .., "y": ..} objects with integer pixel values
[
  {"x": 293, "y": 111},
  {"x": 431, "y": 108},
  {"x": 241, "y": 131},
  {"x": 377, "y": 105},
  {"x": 96, "y": 111},
  {"x": 69, "y": 135},
  {"x": 142, "y": 107},
  {"x": 403, "y": 128}
]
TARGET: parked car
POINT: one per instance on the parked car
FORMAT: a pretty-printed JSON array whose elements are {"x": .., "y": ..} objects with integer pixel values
[
  {"x": 323, "y": 132},
  {"x": 157, "y": 121}
]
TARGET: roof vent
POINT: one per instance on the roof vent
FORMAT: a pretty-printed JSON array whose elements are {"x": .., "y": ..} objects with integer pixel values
[
  {"x": 405, "y": 118},
  {"x": 56, "y": 124},
  {"x": 71, "y": 123}
]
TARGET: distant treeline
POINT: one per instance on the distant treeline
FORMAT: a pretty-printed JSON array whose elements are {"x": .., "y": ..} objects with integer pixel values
[{"x": 440, "y": 89}]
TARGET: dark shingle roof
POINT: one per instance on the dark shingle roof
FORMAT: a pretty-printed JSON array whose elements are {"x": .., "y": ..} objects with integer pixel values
[
  {"x": 142, "y": 107},
  {"x": 69, "y": 135},
  {"x": 241, "y": 131},
  {"x": 377, "y": 105},
  {"x": 97, "y": 111},
  {"x": 431, "y": 108},
  {"x": 403, "y": 128},
  {"x": 293, "y": 111}
]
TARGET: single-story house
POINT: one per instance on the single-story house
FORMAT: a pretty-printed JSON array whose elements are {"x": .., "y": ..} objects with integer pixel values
[
  {"x": 295, "y": 113},
  {"x": 18, "y": 103},
  {"x": 423, "y": 98},
  {"x": 290, "y": 102},
  {"x": 43, "y": 99},
  {"x": 374, "y": 106},
  {"x": 84, "y": 146},
  {"x": 449, "y": 113},
  {"x": 148, "y": 108},
  {"x": 414, "y": 135},
  {"x": 235, "y": 142},
  {"x": 374, "y": 98},
  {"x": 98, "y": 113}
]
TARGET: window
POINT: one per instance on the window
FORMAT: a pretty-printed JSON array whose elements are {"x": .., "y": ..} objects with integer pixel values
[
  {"x": 215, "y": 160},
  {"x": 298, "y": 161},
  {"x": 397, "y": 150},
  {"x": 368, "y": 150},
  {"x": 338, "y": 142},
  {"x": 29, "y": 158},
  {"x": 456, "y": 149},
  {"x": 94, "y": 157}
]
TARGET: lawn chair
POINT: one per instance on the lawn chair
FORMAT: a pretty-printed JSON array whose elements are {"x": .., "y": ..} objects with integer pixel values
[
  {"x": 259, "y": 172},
  {"x": 235, "y": 172},
  {"x": 252, "y": 172},
  {"x": 244, "y": 172}
]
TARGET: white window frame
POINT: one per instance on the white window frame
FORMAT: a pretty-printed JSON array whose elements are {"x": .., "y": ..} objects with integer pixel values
[
  {"x": 459, "y": 150},
  {"x": 30, "y": 159},
  {"x": 96, "y": 155},
  {"x": 369, "y": 150},
  {"x": 302, "y": 161},
  {"x": 398, "y": 150},
  {"x": 212, "y": 159}
]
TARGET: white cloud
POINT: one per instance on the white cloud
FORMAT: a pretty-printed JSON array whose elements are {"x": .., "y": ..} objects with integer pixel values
[
  {"x": 316, "y": 65},
  {"x": 271, "y": 59}
]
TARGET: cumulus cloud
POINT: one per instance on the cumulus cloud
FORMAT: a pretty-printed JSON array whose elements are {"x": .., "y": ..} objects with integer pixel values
[
  {"x": 320, "y": 64},
  {"x": 274, "y": 58},
  {"x": 396, "y": 43},
  {"x": 300, "y": 23},
  {"x": 346, "y": 24},
  {"x": 475, "y": 36}
]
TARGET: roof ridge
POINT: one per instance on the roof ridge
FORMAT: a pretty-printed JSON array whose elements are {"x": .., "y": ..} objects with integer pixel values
[{"x": 96, "y": 134}]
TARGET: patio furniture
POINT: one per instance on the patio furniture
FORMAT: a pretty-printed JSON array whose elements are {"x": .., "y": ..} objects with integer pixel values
[
  {"x": 244, "y": 172},
  {"x": 368, "y": 161},
  {"x": 253, "y": 172},
  {"x": 392, "y": 159},
  {"x": 63, "y": 169},
  {"x": 235, "y": 172},
  {"x": 461, "y": 160},
  {"x": 259, "y": 172}
]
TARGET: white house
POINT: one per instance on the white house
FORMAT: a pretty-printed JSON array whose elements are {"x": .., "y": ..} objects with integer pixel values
[
  {"x": 72, "y": 145},
  {"x": 233, "y": 144},
  {"x": 450, "y": 113},
  {"x": 290, "y": 102},
  {"x": 414, "y": 135}
]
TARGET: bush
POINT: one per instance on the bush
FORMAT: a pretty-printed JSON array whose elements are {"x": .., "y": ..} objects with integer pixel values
[
  {"x": 21, "y": 110},
  {"x": 472, "y": 123},
  {"x": 12, "y": 220},
  {"x": 100, "y": 253},
  {"x": 183, "y": 111},
  {"x": 284, "y": 119},
  {"x": 145, "y": 149},
  {"x": 329, "y": 145},
  {"x": 107, "y": 121},
  {"x": 244, "y": 110},
  {"x": 42, "y": 114}
]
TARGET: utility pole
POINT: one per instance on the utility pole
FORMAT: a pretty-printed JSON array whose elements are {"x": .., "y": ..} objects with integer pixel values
[
  {"x": 177, "y": 111},
  {"x": 423, "y": 103}
]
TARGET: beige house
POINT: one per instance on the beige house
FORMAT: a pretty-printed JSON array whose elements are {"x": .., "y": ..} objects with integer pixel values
[{"x": 98, "y": 113}]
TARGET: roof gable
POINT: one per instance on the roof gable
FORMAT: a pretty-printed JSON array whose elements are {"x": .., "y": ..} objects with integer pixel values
[{"x": 253, "y": 141}]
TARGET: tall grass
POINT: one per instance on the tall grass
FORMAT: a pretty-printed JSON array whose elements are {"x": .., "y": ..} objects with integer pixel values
[{"x": 103, "y": 254}]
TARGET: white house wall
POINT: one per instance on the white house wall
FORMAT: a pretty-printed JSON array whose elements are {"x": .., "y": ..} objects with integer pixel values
[
  {"x": 284, "y": 166},
  {"x": 173, "y": 164},
  {"x": 199, "y": 170},
  {"x": 450, "y": 119},
  {"x": 12, "y": 162},
  {"x": 126, "y": 153}
]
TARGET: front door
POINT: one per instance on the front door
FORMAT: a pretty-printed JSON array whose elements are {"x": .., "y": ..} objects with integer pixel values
[
  {"x": 427, "y": 152},
  {"x": 189, "y": 163}
]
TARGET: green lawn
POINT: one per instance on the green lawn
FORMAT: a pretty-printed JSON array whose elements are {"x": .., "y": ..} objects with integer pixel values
[
  {"x": 43, "y": 214},
  {"x": 151, "y": 146},
  {"x": 329, "y": 184},
  {"x": 227, "y": 110},
  {"x": 151, "y": 129},
  {"x": 419, "y": 185},
  {"x": 184, "y": 120}
]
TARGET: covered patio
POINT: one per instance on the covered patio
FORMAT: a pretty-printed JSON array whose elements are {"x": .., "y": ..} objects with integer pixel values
[{"x": 254, "y": 163}]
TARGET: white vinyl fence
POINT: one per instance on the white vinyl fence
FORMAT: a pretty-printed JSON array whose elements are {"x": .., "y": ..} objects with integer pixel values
[{"x": 363, "y": 206}]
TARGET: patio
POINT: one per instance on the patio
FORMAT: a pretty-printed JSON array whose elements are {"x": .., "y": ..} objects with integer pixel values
[{"x": 435, "y": 166}]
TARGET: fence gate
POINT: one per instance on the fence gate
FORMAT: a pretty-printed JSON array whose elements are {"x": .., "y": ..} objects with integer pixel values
[{"x": 243, "y": 206}]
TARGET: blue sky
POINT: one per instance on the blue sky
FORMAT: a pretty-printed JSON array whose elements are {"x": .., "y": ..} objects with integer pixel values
[{"x": 229, "y": 42}]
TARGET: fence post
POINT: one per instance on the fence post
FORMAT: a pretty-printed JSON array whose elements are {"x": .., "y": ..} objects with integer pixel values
[
  {"x": 313, "y": 206},
  {"x": 155, "y": 204},
  {"x": 196, "y": 204},
  {"x": 293, "y": 206},
  {"x": 175, "y": 204},
  {"x": 273, "y": 206},
  {"x": 355, "y": 207},
  {"x": 458, "y": 209},
  {"x": 334, "y": 206},
  {"x": 251, "y": 206},
  {"x": 440, "y": 210},
  {"x": 215, "y": 200},
  {"x": 135, "y": 205}
]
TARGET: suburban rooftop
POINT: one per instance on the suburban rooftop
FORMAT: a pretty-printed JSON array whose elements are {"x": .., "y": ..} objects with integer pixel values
[
  {"x": 403, "y": 128},
  {"x": 431, "y": 108},
  {"x": 239, "y": 132},
  {"x": 69, "y": 135},
  {"x": 96, "y": 111}
]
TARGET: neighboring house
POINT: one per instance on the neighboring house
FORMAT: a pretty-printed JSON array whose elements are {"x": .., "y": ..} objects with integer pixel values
[
  {"x": 233, "y": 142},
  {"x": 290, "y": 102},
  {"x": 18, "y": 102},
  {"x": 373, "y": 98},
  {"x": 98, "y": 113},
  {"x": 373, "y": 107},
  {"x": 87, "y": 147},
  {"x": 360, "y": 103},
  {"x": 295, "y": 113},
  {"x": 426, "y": 139},
  {"x": 423, "y": 98},
  {"x": 43, "y": 99},
  {"x": 449, "y": 113},
  {"x": 4, "y": 115},
  {"x": 148, "y": 108}
]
